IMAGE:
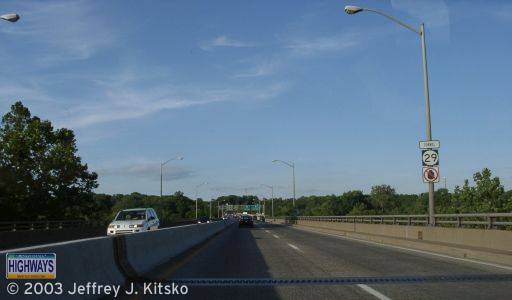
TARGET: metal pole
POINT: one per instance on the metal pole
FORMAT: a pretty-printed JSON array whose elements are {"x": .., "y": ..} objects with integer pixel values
[
  {"x": 293, "y": 174},
  {"x": 196, "y": 203},
  {"x": 272, "y": 202},
  {"x": 161, "y": 179},
  {"x": 210, "y": 208},
  {"x": 431, "y": 200}
]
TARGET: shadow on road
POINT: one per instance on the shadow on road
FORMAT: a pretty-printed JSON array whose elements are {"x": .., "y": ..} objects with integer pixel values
[{"x": 232, "y": 254}]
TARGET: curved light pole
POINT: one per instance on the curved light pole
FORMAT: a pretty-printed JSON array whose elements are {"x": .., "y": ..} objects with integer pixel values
[
  {"x": 291, "y": 165},
  {"x": 272, "y": 194},
  {"x": 10, "y": 17},
  {"x": 161, "y": 171},
  {"x": 350, "y": 9},
  {"x": 197, "y": 190}
]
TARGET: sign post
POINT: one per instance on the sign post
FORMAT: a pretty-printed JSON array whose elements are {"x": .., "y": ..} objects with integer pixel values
[{"x": 430, "y": 170}]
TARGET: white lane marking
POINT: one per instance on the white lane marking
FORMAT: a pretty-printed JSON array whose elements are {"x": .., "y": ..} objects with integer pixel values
[
  {"x": 276, "y": 236},
  {"x": 295, "y": 247},
  {"x": 414, "y": 250},
  {"x": 373, "y": 292},
  {"x": 267, "y": 231}
]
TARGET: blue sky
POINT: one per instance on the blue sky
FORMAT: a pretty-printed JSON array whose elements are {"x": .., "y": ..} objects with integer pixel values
[{"x": 232, "y": 85}]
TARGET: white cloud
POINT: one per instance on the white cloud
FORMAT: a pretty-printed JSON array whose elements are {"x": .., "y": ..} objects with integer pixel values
[
  {"x": 62, "y": 30},
  {"x": 224, "y": 41},
  {"x": 323, "y": 44}
]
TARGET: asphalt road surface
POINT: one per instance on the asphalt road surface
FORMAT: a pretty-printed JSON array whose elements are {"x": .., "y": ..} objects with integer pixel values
[{"x": 276, "y": 251}]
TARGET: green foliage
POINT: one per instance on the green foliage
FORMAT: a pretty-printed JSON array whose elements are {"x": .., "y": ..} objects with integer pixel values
[{"x": 41, "y": 175}]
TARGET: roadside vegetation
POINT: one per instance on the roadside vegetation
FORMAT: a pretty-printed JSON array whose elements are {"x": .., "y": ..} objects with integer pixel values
[{"x": 43, "y": 178}]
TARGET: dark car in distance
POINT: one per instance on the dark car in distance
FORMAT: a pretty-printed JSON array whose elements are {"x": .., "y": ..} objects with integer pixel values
[
  {"x": 203, "y": 219},
  {"x": 246, "y": 221}
]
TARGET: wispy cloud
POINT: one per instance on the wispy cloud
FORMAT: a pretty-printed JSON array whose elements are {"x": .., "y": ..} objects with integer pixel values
[
  {"x": 323, "y": 44},
  {"x": 134, "y": 98},
  {"x": 148, "y": 171},
  {"x": 224, "y": 41},
  {"x": 503, "y": 13},
  {"x": 264, "y": 68},
  {"x": 433, "y": 12},
  {"x": 62, "y": 30}
]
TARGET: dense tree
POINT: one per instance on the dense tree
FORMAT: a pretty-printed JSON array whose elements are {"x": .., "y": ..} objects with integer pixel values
[
  {"x": 41, "y": 175},
  {"x": 383, "y": 198}
]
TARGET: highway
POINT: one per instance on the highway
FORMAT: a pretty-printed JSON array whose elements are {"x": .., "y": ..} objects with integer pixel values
[{"x": 277, "y": 251}]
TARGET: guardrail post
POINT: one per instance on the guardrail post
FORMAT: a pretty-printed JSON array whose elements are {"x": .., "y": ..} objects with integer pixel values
[
  {"x": 31, "y": 226},
  {"x": 47, "y": 226},
  {"x": 60, "y": 225},
  {"x": 14, "y": 227},
  {"x": 409, "y": 221},
  {"x": 394, "y": 220},
  {"x": 490, "y": 224},
  {"x": 459, "y": 222}
]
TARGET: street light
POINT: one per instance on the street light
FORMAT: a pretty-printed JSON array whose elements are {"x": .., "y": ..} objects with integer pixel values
[
  {"x": 161, "y": 171},
  {"x": 421, "y": 32},
  {"x": 197, "y": 190},
  {"x": 10, "y": 17},
  {"x": 272, "y": 199},
  {"x": 291, "y": 165}
]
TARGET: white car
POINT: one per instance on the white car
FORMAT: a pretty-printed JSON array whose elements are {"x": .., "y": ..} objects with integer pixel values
[{"x": 134, "y": 220}]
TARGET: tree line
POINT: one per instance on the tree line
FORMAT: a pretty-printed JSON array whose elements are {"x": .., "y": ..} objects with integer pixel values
[{"x": 43, "y": 178}]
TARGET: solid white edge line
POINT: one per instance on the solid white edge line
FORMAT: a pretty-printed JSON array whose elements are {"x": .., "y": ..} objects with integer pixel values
[
  {"x": 412, "y": 250},
  {"x": 276, "y": 236},
  {"x": 373, "y": 292}
]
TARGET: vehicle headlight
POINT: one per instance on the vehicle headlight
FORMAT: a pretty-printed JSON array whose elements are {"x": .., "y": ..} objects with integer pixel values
[
  {"x": 140, "y": 225},
  {"x": 111, "y": 226}
]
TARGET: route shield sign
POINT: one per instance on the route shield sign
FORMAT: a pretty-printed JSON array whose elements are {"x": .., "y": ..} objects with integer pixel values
[
  {"x": 431, "y": 174},
  {"x": 430, "y": 157}
]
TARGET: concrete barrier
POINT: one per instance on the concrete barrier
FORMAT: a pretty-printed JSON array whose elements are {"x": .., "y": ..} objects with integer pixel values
[
  {"x": 481, "y": 244},
  {"x": 111, "y": 260},
  {"x": 147, "y": 250}
]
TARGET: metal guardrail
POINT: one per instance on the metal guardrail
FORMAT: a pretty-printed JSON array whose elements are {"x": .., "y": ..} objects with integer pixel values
[
  {"x": 477, "y": 220},
  {"x": 40, "y": 225},
  {"x": 62, "y": 224}
]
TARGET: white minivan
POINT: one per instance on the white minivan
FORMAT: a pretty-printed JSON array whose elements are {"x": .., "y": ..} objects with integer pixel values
[{"x": 134, "y": 220}]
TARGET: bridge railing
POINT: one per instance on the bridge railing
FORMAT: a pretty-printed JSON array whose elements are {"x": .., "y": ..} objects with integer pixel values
[
  {"x": 63, "y": 224},
  {"x": 476, "y": 220},
  {"x": 40, "y": 225}
]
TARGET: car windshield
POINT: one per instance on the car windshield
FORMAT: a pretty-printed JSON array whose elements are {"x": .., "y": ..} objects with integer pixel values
[
  {"x": 129, "y": 215},
  {"x": 257, "y": 149}
]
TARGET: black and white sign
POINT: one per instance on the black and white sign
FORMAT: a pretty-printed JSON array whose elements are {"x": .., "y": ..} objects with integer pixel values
[
  {"x": 430, "y": 157},
  {"x": 431, "y": 174},
  {"x": 434, "y": 144}
]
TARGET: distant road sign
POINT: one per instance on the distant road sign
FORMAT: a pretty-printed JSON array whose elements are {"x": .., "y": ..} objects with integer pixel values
[
  {"x": 431, "y": 174},
  {"x": 430, "y": 157},
  {"x": 430, "y": 144}
]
